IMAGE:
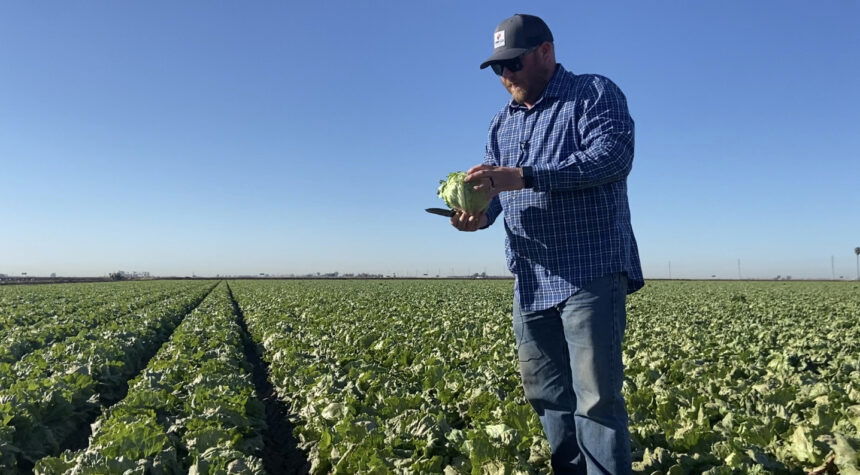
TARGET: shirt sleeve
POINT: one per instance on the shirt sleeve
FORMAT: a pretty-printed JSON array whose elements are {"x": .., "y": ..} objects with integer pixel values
[
  {"x": 606, "y": 131},
  {"x": 490, "y": 158},
  {"x": 493, "y": 211}
]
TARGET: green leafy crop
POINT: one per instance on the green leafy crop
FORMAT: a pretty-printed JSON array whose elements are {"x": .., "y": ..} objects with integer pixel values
[
  {"x": 417, "y": 377},
  {"x": 458, "y": 194}
]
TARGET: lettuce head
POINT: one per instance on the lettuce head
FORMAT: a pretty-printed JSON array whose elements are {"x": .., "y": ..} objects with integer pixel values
[{"x": 458, "y": 194}]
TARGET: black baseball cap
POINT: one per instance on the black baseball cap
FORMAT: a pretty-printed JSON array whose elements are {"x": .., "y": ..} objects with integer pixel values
[{"x": 516, "y": 35}]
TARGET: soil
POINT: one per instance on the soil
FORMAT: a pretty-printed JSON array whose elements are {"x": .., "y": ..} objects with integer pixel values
[{"x": 281, "y": 454}]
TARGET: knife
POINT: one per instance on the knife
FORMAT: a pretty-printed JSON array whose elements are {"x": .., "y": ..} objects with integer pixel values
[{"x": 441, "y": 211}]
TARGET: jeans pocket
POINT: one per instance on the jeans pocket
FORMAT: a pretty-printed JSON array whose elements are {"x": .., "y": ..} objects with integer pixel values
[{"x": 529, "y": 351}]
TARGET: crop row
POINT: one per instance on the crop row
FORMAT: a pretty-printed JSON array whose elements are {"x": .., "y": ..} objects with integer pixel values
[
  {"x": 193, "y": 409},
  {"x": 30, "y": 327},
  {"x": 26, "y": 305},
  {"x": 720, "y": 378},
  {"x": 46, "y": 396},
  {"x": 744, "y": 377},
  {"x": 386, "y": 377}
]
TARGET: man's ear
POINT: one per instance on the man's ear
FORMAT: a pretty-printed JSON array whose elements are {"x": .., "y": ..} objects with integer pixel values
[{"x": 546, "y": 49}]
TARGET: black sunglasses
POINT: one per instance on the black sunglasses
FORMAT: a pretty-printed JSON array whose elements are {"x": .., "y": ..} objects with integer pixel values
[{"x": 512, "y": 65}]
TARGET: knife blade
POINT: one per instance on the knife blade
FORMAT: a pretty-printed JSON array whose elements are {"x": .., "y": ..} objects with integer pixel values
[{"x": 441, "y": 211}]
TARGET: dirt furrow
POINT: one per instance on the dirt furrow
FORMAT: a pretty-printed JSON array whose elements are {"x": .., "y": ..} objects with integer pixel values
[{"x": 281, "y": 454}]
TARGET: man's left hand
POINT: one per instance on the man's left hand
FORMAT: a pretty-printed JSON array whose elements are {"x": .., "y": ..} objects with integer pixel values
[{"x": 495, "y": 179}]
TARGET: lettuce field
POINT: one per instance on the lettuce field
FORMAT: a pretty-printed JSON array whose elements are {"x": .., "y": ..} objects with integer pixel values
[{"x": 410, "y": 376}]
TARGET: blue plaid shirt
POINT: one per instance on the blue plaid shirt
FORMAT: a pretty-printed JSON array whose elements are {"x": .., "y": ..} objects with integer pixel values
[{"x": 573, "y": 225}]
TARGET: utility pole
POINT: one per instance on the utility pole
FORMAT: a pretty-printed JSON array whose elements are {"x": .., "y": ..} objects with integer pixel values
[{"x": 857, "y": 251}]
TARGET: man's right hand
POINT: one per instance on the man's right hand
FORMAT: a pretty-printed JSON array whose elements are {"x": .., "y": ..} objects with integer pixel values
[{"x": 468, "y": 222}]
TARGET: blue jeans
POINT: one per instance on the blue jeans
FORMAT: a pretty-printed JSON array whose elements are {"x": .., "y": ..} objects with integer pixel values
[{"x": 570, "y": 362}]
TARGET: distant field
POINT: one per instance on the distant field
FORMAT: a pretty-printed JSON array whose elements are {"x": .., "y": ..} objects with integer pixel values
[{"x": 409, "y": 376}]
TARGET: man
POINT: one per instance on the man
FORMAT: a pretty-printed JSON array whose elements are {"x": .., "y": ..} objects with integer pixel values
[{"x": 556, "y": 163}]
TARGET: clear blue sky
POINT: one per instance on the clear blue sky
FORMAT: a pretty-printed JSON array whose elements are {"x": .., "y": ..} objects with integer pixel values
[{"x": 287, "y": 137}]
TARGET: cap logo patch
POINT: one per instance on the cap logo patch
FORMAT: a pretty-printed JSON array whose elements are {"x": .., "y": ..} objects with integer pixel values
[{"x": 499, "y": 39}]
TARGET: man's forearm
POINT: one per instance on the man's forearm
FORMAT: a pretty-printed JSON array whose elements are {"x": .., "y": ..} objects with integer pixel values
[{"x": 610, "y": 161}]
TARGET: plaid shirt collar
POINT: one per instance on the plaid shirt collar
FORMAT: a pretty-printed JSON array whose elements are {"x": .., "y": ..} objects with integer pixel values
[{"x": 553, "y": 89}]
